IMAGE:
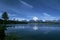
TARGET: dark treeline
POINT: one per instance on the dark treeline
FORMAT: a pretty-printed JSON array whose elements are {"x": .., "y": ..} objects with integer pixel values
[{"x": 11, "y": 22}]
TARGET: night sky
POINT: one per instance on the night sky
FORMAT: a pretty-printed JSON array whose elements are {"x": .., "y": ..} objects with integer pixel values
[{"x": 30, "y": 9}]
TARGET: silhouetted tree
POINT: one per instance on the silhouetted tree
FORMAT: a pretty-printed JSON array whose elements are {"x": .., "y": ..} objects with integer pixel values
[
  {"x": 5, "y": 16},
  {"x": 3, "y": 27}
]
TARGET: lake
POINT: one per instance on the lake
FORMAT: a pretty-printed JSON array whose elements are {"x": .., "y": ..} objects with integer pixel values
[{"x": 35, "y": 31}]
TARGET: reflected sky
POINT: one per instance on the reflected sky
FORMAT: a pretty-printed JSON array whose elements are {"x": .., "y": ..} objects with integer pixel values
[
  {"x": 34, "y": 27},
  {"x": 35, "y": 31}
]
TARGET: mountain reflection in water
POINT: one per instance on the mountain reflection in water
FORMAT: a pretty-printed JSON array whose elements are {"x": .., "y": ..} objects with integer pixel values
[{"x": 35, "y": 31}]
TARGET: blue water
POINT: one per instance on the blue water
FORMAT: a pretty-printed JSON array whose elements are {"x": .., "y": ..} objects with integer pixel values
[{"x": 35, "y": 31}]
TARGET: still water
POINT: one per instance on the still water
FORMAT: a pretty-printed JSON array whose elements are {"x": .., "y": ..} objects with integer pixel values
[{"x": 35, "y": 31}]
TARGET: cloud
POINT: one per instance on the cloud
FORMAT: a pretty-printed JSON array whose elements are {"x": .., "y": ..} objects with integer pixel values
[
  {"x": 18, "y": 13},
  {"x": 11, "y": 15},
  {"x": 26, "y": 4},
  {"x": 0, "y": 14},
  {"x": 20, "y": 19},
  {"x": 47, "y": 16}
]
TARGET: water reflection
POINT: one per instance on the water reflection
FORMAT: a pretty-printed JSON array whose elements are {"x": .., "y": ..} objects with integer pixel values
[
  {"x": 17, "y": 27},
  {"x": 33, "y": 31},
  {"x": 35, "y": 27},
  {"x": 2, "y": 32}
]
